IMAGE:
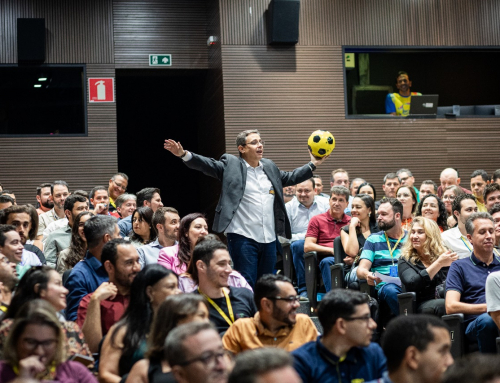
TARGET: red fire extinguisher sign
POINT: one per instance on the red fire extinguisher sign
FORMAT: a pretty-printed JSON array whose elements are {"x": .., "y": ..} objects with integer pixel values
[{"x": 101, "y": 90}]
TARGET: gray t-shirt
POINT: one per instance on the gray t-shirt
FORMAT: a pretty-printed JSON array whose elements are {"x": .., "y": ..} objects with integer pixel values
[{"x": 493, "y": 292}]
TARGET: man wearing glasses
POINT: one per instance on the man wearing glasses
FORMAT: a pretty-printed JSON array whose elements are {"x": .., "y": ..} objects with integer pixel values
[
  {"x": 117, "y": 186},
  {"x": 344, "y": 353},
  {"x": 276, "y": 324},
  {"x": 251, "y": 211}
]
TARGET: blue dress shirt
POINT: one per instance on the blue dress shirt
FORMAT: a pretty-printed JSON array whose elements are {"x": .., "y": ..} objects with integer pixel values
[{"x": 125, "y": 226}]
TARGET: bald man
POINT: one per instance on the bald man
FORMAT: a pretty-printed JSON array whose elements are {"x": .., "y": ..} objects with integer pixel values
[{"x": 448, "y": 177}]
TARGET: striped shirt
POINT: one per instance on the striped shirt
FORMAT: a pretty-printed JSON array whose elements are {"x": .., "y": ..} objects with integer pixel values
[{"x": 377, "y": 252}]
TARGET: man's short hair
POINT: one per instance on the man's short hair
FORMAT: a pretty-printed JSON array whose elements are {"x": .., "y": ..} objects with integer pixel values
[
  {"x": 477, "y": 368},
  {"x": 339, "y": 170},
  {"x": 405, "y": 331},
  {"x": 124, "y": 198},
  {"x": 312, "y": 181},
  {"x": 494, "y": 209},
  {"x": 69, "y": 202},
  {"x": 241, "y": 139},
  {"x": 338, "y": 303},
  {"x": 404, "y": 170},
  {"x": 121, "y": 175},
  {"x": 266, "y": 287},
  {"x": 319, "y": 177},
  {"x": 496, "y": 175},
  {"x": 457, "y": 202},
  {"x": 159, "y": 215},
  {"x": 493, "y": 187},
  {"x": 175, "y": 351},
  {"x": 390, "y": 176},
  {"x": 204, "y": 251},
  {"x": 469, "y": 224},
  {"x": 250, "y": 365},
  {"x": 146, "y": 194},
  {"x": 430, "y": 182},
  {"x": 4, "y": 198},
  {"x": 96, "y": 227},
  {"x": 83, "y": 193},
  {"x": 397, "y": 206},
  {"x": 96, "y": 189},
  {"x": 3, "y": 230},
  {"x": 340, "y": 190},
  {"x": 59, "y": 182},
  {"x": 14, "y": 209},
  {"x": 43, "y": 186},
  {"x": 110, "y": 250},
  {"x": 482, "y": 173},
  {"x": 402, "y": 73}
]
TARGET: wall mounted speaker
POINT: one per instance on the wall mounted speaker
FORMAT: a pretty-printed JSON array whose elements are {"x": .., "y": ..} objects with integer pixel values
[
  {"x": 283, "y": 22},
  {"x": 30, "y": 41}
]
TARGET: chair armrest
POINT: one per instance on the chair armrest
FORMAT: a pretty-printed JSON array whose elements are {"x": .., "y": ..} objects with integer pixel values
[
  {"x": 311, "y": 273},
  {"x": 407, "y": 303},
  {"x": 337, "y": 276},
  {"x": 364, "y": 287},
  {"x": 455, "y": 323}
]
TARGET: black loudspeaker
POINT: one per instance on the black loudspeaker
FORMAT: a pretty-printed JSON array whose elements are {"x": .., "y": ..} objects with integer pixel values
[
  {"x": 31, "y": 41},
  {"x": 283, "y": 22}
]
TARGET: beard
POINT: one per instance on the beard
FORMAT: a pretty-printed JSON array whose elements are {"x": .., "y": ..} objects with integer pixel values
[
  {"x": 47, "y": 204},
  {"x": 282, "y": 316},
  {"x": 387, "y": 225}
]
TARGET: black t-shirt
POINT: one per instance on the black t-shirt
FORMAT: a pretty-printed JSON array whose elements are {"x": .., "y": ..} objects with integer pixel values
[{"x": 242, "y": 303}]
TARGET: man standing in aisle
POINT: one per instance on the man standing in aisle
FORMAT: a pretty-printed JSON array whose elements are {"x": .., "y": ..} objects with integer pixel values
[{"x": 251, "y": 211}]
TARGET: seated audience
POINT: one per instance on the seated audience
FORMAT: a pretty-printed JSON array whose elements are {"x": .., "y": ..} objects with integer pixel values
[
  {"x": 344, "y": 353},
  {"x": 195, "y": 353},
  {"x": 59, "y": 192},
  {"x": 367, "y": 188},
  {"x": 382, "y": 251},
  {"x": 125, "y": 205},
  {"x": 43, "y": 198},
  {"x": 100, "y": 310},
  {"x": 44, "y": 283},
  {"x": 60, "y": 239},
  {"x": 212, "y": 266},
  {"x": 491, "y": 195},
  {"x": 478, "y": 181},
  {"x": 428, "y": 187},
  {"x": 450, "y": 193},
  {"x": 174, "y": 311},
  {"x": 300, "y": 210},
  {"x": 88, "y": 275},
  {"x": 166, "y": 225},
  {"x": 146, "y": 197},
  {"x": 466, "y": 280},
  {"x": 126, "y": 343},
  {"x": 75, "y": 253},
  {"x": 117, "y": 186},
  {"x": 176, "y": 258},
  {"x": 477, "y": 368},
  {"x": 276, "y": 324},
  {"x": 11, "y": 247},
  {"x": 143, "y": 231},
  {"x": 455, "y": 239},
  {"x": 408, "y": 198},
  {"x": 433, "y": 208},
  {"x": 23, "y": 357},
  {"x": 6, "y": 201},
  {"x": 264, "y": 365},
  {"x": 424, "y": 264},
  {"x": 324, "y": 228},
  {"x": 417, "y": 348}
]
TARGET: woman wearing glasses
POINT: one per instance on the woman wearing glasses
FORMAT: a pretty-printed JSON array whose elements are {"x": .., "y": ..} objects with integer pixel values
[
  {"x": 449, "y": 194},
  {"x": 35, "y": 349}
]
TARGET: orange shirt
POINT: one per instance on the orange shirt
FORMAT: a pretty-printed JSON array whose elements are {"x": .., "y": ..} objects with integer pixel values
[
  {"x": 250, "y": 333},
  {"x": 407, "y": 223}
]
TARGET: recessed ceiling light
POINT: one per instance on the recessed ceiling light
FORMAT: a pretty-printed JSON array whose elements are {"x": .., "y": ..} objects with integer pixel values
[
  {"x": 42, "y": 79},
  {"x": 37, "y": 85}
]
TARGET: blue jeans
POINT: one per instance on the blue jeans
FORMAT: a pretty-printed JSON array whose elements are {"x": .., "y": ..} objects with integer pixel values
[
  {"x": 326, "y": 274},
  {"x": 388, "y": 293},
  {"x": 251, "y": 258},
  {"x": 484, "y": 331},
  {"x": 297, "y": 249}
]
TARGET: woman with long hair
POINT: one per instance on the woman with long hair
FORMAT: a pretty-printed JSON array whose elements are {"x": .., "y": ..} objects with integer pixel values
[
  {"x": 125, "y": 342},
  {"x": 75, "y": 253},
  {"x": 174, "y": 311},
  {"x": 176, "y": 258},
  {"x": 37, "y": 325},
  {"x": 449, "y": 194},
  {"x": 432, "y": 207},
  {"x": 408, "y": 198},
  {"x": 424, "y": 264},
  {"x": 142, "y": 227},
  {"x": 43, "y": 282}
]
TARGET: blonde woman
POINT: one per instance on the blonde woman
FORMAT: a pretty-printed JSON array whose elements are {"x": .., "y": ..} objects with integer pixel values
[{"x": 424, "y": 264}]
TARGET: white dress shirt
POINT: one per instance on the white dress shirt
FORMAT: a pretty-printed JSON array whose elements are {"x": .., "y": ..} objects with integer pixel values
[
  {"x": 453, "y": 240},
  {"x": 299, "y": 215}
]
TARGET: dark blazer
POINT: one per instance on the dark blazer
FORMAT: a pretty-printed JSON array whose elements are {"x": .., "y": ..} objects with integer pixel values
[{"x": 232, "y": 171}]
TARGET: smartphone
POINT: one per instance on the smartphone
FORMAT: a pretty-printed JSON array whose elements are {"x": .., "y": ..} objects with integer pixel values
[{"x": 85, "y": 360}]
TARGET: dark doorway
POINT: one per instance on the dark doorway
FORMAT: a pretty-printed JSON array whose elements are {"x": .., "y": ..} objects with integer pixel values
[{"x": 153, "y": 105}]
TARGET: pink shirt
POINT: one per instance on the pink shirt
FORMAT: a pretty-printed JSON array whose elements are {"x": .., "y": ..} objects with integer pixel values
[{"x": 168, "y": 258}]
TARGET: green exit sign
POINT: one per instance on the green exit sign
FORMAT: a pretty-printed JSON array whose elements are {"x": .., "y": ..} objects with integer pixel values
[{"x": 160, "y": 60}]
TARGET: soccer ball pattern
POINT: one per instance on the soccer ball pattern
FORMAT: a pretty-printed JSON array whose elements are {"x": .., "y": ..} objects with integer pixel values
[{"x": 321, "y": 143}]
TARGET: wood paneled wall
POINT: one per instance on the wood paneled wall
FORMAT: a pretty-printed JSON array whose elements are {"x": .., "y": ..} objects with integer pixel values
[{"x": 288, "y": 92}]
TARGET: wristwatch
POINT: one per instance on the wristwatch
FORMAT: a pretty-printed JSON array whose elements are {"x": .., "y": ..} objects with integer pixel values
[
  {"x": 312, "y": 166},
  {"x": 184, "y": 155}
]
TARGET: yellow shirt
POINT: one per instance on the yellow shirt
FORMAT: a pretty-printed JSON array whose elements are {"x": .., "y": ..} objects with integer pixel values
[
  {"x": 481, "y": 207},
  {"x": 401, "y": 103}
]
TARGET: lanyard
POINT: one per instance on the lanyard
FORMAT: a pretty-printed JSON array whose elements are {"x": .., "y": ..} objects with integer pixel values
[
  {"x": 396, "y": 245},
  {"x": 466, "y": 243},
  {"x": 219, "y": 310}
]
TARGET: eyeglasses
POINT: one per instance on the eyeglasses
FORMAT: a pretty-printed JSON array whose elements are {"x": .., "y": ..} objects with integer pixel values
[
  {"x": 290, "y": 299},
  {"x": 120, "y": 186},
  {"x": 255, "y": 143},
  {"x": 365, "y": 318},
  {"x": 209, "y": 359},
  {"x": 450, "y": 197},
  {"x": 32, "y": 344}
]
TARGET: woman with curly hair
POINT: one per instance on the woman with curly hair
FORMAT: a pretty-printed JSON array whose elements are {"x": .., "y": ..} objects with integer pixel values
[
  {"x": 424, "y": 264},
  {"x": 433, "y": 208},
  {"x": 75, "y": 253}
]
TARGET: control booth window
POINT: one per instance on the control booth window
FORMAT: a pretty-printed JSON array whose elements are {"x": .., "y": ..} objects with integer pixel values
[
  {"x": 381, "y": 82},
  {"x": 42, "y": 100}
]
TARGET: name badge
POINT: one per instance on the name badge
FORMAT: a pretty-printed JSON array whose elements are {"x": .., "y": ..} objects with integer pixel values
[{"x": 393, "y": 271}]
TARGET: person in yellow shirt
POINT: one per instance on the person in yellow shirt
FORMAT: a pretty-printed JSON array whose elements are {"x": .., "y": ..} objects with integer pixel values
[
  {"x": 398, "y": 104},
  {"x": 478, "y": 181}
]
